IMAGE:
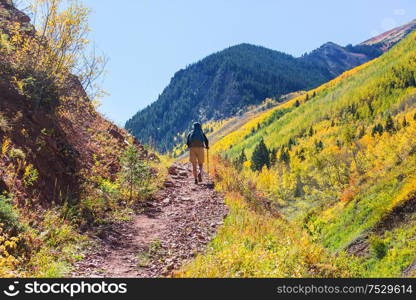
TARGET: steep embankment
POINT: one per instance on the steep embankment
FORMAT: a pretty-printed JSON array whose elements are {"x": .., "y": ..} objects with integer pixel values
[
  {"x": 342, "y": 163},
  {"x": 62, "y": 165}
]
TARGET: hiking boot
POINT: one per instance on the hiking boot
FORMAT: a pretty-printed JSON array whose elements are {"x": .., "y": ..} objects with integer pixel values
[{"x": 200, "y": 177}]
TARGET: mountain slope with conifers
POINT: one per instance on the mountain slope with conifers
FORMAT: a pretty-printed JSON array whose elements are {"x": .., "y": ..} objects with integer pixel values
[
  {"x": 342, "y": 171},
  {"x": 220, "y": 86},
  {"x": 226, "y": 83}
]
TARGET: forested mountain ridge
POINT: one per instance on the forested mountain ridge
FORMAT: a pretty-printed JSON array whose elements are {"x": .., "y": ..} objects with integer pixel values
[
  {"x": 338, "y": 59},
  {"x": 227, "y": 82},
  {"x": 220, "y": 86}
]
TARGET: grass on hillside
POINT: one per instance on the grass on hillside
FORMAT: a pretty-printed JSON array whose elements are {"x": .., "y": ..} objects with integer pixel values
[
  {"x": 253, "y": 243},
  {"x": 341, "y": 174}
]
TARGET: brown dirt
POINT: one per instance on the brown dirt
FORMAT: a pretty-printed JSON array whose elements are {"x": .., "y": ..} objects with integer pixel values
[
  {"x": 399, "y": 215},
  {"x": 359, "y": 247},
  {"x": 171, "y": 231},
  {"x": 410, "y": 271}
]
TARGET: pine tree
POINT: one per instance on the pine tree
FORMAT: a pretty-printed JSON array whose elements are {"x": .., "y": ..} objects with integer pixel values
[
  {"x": 134, "y": 172},
  {"x": 291, "y": 143},
  {"x": 319, "y": 146},
  {"x": 301, "y": 154},
  {"x": 362, "y": 132},
  {"x": 339, "y": 144},
  {"x": 390, "y": 124},
  {"x": 240, "y": 160},
  {"x": 311, "y": 131},
  {"x": 405, "y": 123},
  {"x": 284, "y": 155},
  {"x": 260, "y": 157},
  {"x": 377, "y": 129},
  {"x": 273, "y": 156}
]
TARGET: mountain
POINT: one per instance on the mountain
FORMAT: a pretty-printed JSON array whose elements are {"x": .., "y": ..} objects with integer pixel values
[
  {"x": 227, "y": 82},
  {"x": 338, "y": 59},
  {"x": 388, "y": 39},
  {"x": 342, "y": 166},
  {"x": 220, "y": 86}
]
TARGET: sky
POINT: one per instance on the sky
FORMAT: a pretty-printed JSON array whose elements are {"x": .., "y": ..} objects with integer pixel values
[{"x": 148, "y": 41}]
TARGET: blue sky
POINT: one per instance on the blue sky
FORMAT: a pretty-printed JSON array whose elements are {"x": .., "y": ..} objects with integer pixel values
[{"x": 147, "y": 41}]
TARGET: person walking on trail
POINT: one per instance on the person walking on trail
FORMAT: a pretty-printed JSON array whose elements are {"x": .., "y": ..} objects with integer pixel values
[{"x": 196, "y": 142}]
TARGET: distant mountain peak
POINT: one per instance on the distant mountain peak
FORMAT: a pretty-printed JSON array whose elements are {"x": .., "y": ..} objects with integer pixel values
[
  {"x": 388, "y": 39},
  {"x": 330, "y": 44}
]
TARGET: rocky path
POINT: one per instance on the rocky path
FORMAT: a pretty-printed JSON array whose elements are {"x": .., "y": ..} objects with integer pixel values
[{"x": 171, "y": 231}]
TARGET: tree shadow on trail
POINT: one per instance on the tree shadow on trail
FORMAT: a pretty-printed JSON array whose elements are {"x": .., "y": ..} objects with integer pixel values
[{"x": 208, "y": 185}]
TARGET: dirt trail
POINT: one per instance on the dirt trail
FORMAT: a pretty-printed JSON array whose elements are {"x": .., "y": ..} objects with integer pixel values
[{"x": 171, "y": 231}]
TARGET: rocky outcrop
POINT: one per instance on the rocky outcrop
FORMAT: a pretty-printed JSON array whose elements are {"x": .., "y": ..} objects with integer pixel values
[{"x": 9, "y": 12}]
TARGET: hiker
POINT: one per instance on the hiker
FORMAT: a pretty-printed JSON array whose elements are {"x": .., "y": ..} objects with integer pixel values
[{"x": 196, "y": 142}]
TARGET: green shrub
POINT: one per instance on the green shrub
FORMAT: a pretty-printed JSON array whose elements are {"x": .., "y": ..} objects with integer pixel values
[
  {"x": 136, "y": 174},
  {"x": 8, "y": 215},
  {"x": 378, "y": 247}
]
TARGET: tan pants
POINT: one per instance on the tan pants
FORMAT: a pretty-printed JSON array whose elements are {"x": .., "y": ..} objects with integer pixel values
[{"x": 196, "y": 155}]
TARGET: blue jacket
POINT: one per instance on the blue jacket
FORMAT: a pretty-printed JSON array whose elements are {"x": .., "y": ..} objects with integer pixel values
[{"x": 197, "y": 138}]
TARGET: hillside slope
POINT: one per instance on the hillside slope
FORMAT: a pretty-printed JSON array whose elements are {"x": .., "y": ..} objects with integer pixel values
[
  {"x": 342, "y": 163},
  {"x": 226, "y": 83},
  {"x": 60, "y": 161}
]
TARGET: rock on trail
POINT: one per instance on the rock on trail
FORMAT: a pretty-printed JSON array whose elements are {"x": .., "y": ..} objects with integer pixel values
[{"x": 171, "y": 231}]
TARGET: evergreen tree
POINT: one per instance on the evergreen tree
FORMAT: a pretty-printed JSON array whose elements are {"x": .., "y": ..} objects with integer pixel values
[
  {"x": 240, "y": 160},
  {"x": 273, "y": 156},
  {"x": 284, "y": 155},
  {"x": 319, "y": 146},
  {"x": 260, "y": 157},
  {"x": 301, "y": 154},
  {"x": 362, "y": 132},
  {"x": 291, "y": 143},
  {"x": 390, "y": 124},
  {"x": 311, "y": 131},
  {"x": 405, "y": 123},
  {"x": 378, "y": 129},
  {"x": 134, "y": 172}
]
